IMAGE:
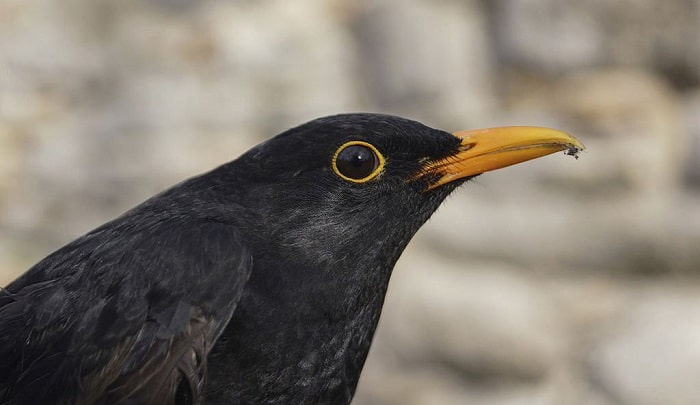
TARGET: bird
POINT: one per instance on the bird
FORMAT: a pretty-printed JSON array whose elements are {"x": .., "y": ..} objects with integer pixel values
[{"x": 260, "y": 281}]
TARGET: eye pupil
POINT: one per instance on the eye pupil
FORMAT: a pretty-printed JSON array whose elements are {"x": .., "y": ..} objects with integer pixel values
[{"x": 357, "y": 162}]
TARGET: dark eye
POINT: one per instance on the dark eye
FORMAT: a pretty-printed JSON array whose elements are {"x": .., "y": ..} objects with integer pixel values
[{"x": 357, "y": 162}]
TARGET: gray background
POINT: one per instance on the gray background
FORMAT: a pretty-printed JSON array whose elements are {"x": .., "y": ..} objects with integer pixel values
[{"x": 554, "y": 282}]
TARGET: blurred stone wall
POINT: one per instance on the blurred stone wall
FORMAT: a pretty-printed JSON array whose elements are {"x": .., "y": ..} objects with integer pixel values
[{"x": 555, "y": 282}]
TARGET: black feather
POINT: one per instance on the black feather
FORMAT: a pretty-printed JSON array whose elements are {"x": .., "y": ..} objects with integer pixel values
[{"x": 267, "y": 275}]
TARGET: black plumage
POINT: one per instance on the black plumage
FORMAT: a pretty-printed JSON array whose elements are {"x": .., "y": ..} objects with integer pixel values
[{"x": 261, "y": 281}]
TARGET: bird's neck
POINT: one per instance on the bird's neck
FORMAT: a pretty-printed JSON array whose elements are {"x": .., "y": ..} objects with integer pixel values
[
  {"x": 290, "y": 343},
  {"x": 303, "y": 328}
]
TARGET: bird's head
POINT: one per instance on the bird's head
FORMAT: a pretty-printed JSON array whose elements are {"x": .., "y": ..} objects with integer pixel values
[
  {"x": 330, "y": 205},
  {"x": 360, "y": 185}
]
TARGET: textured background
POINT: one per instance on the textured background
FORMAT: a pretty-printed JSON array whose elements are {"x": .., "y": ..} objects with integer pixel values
[{"x": 554, "y": 282}]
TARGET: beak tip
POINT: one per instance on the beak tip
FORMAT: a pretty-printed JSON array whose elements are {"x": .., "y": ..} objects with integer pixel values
[
  {"x": 573, "y": 147},
  {"x": 573, "y": 151}
]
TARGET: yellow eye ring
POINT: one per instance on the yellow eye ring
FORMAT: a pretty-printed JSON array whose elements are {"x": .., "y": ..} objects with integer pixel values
[{"x": 357, "y": 162}]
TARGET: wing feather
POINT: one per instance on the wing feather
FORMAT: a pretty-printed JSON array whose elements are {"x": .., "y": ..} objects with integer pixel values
[{"x": 126, "y": 313}]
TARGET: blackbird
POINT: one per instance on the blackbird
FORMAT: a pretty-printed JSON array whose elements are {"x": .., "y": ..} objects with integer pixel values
[{"x": 261, "y": 281}]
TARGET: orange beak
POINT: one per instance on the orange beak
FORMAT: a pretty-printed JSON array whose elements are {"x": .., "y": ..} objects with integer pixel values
[{"x": 483, "y": 150}]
